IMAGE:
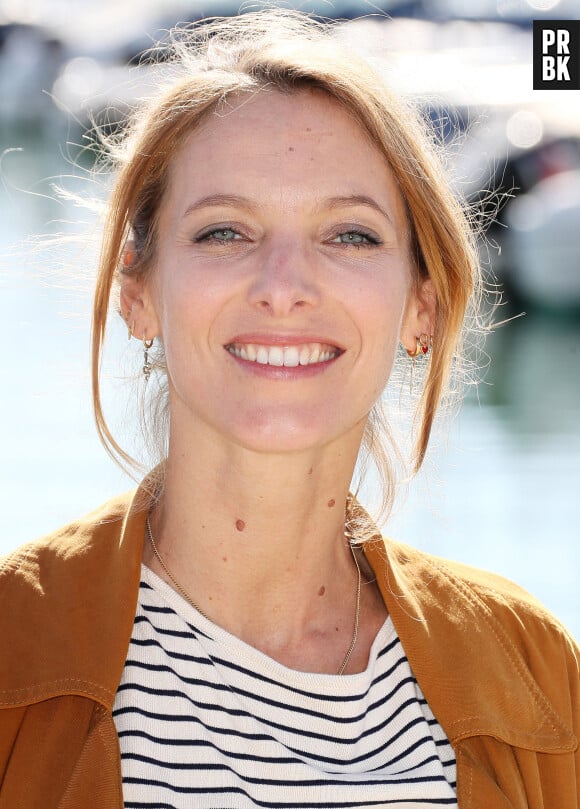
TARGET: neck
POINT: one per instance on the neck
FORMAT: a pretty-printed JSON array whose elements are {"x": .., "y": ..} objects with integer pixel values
[{"x": 257, "y": 539}]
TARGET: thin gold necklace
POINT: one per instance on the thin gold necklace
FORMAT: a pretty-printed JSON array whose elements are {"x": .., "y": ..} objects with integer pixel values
[{"x": 190, "y": 600}]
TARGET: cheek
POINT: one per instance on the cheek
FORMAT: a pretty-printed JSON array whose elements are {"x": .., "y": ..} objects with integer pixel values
[
  {"x": 183, "y": 303},
  {"x": 381, "y": 318},
  {"x": 179, "y": 317},
  {"x": 381, "y": 310}
]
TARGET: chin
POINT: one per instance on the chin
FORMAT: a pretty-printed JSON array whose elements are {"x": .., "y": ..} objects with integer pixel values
[
  {"x": 281, "y": 442},
  {"x": 283, "y": 434},
  {"x": 294, "y": 433}
]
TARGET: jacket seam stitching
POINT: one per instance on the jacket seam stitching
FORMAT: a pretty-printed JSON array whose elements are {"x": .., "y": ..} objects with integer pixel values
[
  {"x": 116, "y": 760},
  {"x": 50, "y": 685},
  {"x": 538, "y": 697},
  {"x": 98, "y": 729}
]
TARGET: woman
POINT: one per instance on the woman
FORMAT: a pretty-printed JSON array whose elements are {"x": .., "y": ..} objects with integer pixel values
[{"x": 237, "y": 633}]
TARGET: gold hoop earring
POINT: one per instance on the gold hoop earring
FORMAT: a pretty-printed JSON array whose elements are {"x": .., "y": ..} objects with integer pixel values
[{"x": 422, "y": 346}]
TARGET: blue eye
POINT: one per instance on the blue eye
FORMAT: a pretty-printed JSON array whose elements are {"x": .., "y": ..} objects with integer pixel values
[
  {"x": 221, "y": 235},
  {"x": 356, "y": 237}
]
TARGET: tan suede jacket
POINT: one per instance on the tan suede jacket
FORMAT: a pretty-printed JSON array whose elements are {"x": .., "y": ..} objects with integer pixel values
[{"x": 500, "y": 674}]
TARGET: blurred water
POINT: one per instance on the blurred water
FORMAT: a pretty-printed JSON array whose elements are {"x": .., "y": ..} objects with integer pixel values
[{"x": 502, "y": 493}]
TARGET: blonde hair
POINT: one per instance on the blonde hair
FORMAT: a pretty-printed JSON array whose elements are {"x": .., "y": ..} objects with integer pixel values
[{"x": 288, "y": 51}]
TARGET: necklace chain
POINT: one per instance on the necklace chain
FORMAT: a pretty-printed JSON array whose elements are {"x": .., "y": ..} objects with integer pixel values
[
  {"x": 190, "y": 600},
  {"x": 348, "y": 655}
]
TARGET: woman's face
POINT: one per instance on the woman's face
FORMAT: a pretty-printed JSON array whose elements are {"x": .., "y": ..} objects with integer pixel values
[{"x": 282, "y": 281}]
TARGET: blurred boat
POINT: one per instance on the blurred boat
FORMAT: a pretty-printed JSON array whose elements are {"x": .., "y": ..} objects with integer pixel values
[
  {"x": 542, "y": 242},
  {"x": 30, "y": 58}
]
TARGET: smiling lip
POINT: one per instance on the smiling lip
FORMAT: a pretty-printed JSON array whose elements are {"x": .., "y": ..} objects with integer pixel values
[{"x": 284, "y": 354}]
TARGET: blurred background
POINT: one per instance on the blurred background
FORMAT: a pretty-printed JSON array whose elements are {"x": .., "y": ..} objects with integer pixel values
[{"x": 501, "y": 486}]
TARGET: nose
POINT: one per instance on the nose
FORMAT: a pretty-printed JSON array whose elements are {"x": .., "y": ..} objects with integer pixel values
[{"x": 285, "y": 279}]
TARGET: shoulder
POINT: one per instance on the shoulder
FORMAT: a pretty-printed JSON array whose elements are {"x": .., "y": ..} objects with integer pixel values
[
  {"x": 544, "y": 643},
  {"x": 56, "y": 592},
  {"x": 484, "y": 641},
  {"x": 497, "y": 593},
  {"x": 49, "y": 571},
  {"x": 475, "y": 599},
  {"x": 69, "y": 543},
  {"x": 489, "y": 588}
]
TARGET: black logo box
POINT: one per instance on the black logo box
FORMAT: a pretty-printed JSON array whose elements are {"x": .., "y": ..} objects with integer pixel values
[{"x": 556, "y": 55}]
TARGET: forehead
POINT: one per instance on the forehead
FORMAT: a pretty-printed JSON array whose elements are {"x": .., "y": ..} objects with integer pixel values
[{"x": 292, "y": 145}]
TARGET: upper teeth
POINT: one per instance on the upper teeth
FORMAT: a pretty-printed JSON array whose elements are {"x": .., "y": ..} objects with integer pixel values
[{"x": 290, "y": 356}]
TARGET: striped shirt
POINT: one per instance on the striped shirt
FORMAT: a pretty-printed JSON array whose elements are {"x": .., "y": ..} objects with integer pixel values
[{"x": 207, "y": 721}]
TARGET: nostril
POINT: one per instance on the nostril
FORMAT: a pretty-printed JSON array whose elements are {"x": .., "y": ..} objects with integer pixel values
[{"x": 276, "y": 304}]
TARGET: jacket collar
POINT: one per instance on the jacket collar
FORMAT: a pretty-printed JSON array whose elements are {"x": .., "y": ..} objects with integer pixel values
[{"x": 80, "y": 617}]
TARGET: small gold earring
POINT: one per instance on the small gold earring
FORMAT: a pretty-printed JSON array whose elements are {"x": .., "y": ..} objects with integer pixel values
[{"x": 423, "y": 344}]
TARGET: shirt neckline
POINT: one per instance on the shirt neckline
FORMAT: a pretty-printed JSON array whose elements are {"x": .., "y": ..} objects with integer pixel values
[{"x": 252, "y": 658}]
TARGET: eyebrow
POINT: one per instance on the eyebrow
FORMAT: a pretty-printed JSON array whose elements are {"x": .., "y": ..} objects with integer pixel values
[
  {"x": 236, "y": 200},
  {"x": 220, "y": 200},
  {"x": 356, "y": 199}
]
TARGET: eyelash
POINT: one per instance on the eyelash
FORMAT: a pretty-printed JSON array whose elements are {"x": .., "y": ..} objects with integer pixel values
[
  {"x": 370, "y": 239},
  {"x": 210, "y": 235}
]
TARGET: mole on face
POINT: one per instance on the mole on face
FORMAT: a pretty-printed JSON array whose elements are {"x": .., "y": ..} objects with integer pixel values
[
  {"x": 290, "y": 148},
  {"x": 331, "y": 503},
  {"x": 240, "y": 525},
  {"x": 322, "y": 590}
]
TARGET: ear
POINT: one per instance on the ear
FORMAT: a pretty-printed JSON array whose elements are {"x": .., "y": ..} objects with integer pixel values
[
  {"x": 420, "y": 313},
  {"x": 137, "y": 306}
]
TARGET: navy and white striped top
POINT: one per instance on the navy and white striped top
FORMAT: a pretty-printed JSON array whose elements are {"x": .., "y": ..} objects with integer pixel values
[{"x": 206, "y": 721}]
